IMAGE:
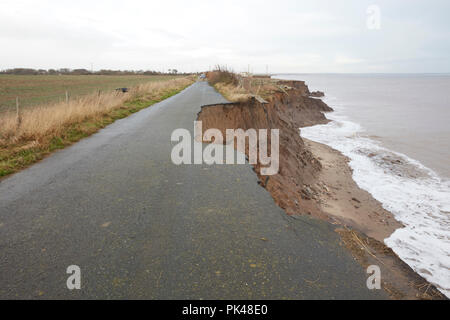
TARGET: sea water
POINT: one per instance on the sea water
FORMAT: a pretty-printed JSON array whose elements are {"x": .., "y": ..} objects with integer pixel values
[{"x": 396, "y": 131}]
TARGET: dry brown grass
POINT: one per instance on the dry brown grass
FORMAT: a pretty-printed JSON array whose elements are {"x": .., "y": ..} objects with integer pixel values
[
  {"x": 47, "y": 89},
  {"x": 39, "y": 130},
  {"x": 39, "y": 122},
  {"x": 233, "y": 93},
  {"x": 399, "y": 280},
  {"x": 239, "y": 89}
]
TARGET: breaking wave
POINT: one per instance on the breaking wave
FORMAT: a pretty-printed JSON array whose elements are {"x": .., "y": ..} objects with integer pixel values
[{"x": 415, "y": 194}]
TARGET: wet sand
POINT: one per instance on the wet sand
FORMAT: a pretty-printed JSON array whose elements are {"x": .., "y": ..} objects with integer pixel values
[
  {"x": 315, "y": 180},
  {"x": 342, "y": 199},
  {"x": 363, "y": 224}
]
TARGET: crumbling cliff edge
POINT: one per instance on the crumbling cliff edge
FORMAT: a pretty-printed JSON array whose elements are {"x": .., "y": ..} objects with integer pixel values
[{"x": 316, "y": 180}]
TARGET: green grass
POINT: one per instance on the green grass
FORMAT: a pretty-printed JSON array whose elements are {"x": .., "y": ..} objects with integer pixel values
[
  {"x": 43, "y": 89},
  {"x": 14, "y": 161}
]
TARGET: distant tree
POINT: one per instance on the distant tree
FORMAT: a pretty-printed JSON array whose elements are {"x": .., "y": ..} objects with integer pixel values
[
  {"x": 64, "y": 71},
  {"x": 67, "y": 71},
  {"x": 80, "y": 72},
  {"x": 21, "y": 71}
]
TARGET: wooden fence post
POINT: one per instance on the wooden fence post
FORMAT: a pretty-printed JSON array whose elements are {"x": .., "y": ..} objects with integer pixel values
[
  {"x": 19, "y": 119},
  {"x": 67, "y": 96}
]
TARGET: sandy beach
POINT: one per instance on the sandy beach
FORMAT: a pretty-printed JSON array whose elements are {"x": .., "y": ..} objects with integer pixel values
[
  {"x": 341, "y": 198},
  {"x": 317, "y": 181},
  {"x": 364, "y": 224}
]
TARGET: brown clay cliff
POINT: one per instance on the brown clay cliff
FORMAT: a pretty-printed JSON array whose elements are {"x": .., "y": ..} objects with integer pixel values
[{"x": 288, "y": 109}]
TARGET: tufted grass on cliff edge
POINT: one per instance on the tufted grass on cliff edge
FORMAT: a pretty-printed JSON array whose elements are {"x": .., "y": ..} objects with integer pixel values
[{"x": 237, "y": 88}]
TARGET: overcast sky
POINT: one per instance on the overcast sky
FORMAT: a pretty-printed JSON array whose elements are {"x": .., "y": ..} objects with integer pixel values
[{"x": 288, "y": 36}]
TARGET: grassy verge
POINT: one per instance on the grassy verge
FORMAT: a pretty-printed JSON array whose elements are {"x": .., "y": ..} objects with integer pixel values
[
  {"x": 47, "y": 89},
  {"x": 39, "y": 131},
  {"x": 237, "y": 88}
]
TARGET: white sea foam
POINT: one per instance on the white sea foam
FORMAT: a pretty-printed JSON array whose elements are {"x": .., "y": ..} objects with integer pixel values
[{"x": 416, "y": 195}]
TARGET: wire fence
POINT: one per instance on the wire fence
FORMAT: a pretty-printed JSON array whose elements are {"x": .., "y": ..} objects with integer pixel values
[
  {"x": 10, "y": 105},
  {"x": 29, "y": 98}
]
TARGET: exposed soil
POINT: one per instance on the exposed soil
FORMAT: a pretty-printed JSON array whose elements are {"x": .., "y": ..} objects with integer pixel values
[
  {"x": 287, "y": 112},
  {"x": 316, "y": 180},
  {"x": 397, "y": 278}
]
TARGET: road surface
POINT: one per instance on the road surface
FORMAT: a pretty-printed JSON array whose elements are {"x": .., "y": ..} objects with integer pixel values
[{"x": 140, "y": 227}]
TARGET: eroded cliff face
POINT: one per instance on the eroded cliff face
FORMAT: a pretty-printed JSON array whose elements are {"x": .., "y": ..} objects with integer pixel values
[
  {"x": 302, "y": 184},
  {"x": 286, "y": 110}
]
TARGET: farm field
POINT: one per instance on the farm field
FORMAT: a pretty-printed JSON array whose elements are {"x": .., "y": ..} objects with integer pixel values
[
  {"x": 42, "y": 89},
  {"x": 37, "y": 131}
]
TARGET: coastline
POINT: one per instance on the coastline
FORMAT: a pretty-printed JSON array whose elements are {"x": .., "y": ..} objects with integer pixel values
[
  {"x": 363, "y": 224},
  {"x": 316, "y": 180},
  {"x": 342, "y": 200},
  {"x": 413, "y": 192}
]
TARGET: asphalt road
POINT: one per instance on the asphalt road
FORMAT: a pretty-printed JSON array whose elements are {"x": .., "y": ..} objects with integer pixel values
[{"x": 140, "y": 227}]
